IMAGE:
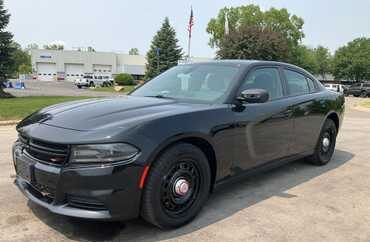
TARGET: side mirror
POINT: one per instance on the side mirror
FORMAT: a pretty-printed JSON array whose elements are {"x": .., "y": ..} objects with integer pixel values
[{"x": 253, "y": 96}]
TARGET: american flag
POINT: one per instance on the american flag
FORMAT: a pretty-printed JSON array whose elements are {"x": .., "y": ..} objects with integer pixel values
[{"x": 191, "y": 22}]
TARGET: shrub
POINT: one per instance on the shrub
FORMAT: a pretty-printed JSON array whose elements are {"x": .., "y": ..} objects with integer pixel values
[{"x": 124, "y": 79}]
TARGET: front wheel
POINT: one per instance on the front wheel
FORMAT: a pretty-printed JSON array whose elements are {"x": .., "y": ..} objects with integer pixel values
[
  {"x": 326, "y": 144},
  {"x": 177, "y": 186}
]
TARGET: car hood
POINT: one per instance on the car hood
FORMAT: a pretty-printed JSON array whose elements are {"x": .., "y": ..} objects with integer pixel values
[{"x": 93, "y": 114}]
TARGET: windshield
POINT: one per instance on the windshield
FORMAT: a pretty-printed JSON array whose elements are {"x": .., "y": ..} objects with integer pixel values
[{"x": 197, "y": 82}]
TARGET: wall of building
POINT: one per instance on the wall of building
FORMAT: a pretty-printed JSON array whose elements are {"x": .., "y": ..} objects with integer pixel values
[{"x": 51, "y": 64}]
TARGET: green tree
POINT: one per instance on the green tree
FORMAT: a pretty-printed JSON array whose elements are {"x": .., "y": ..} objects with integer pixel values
[
  {"x": 133, "y": 51},
  {"x": 352, "y": 61},
  {"x": 277, "y": 20},
  {"x": 32, "y": 46},
  {"x": 54, "y": 47},
  {"x": 124, "y": 79},
  {"x": 165, "y": 44},
  {"x": 323, "y": 61},
  {"x": 6, "y": 48},
  {"x": 20, "y": 58},
  {"x": 304, "y": 57},
  {"x": 24, "y": 69},
  {"x": 253, "y": 42}
]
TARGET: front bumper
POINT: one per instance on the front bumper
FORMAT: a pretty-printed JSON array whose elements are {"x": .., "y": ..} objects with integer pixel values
[{"x": 104, "y": 192}]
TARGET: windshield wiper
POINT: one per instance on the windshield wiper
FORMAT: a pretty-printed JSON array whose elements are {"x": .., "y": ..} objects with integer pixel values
[{"x": 160, "y": 96}]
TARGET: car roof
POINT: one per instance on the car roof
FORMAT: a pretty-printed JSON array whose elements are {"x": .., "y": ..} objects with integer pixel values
[{"x": 246, "y": 62}]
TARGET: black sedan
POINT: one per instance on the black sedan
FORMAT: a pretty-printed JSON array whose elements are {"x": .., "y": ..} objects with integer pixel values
[{"x": 159, "y": 152}]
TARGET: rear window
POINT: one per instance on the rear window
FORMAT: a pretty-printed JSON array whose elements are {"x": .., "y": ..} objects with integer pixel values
[{"x": 297, "y": 83}]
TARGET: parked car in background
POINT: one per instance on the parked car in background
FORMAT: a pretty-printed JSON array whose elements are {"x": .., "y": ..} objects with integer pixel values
[
  {"x": 335, "y": 87},
  {"x": 358, "y": 90},
  {"x": 90, "y": 80},
  {"x": 160, "y": 151}
]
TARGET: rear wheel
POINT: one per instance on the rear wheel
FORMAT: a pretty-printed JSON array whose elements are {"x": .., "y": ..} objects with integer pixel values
[
  {"x": 91, "y": 84},
  {"x": 177, "y": 186},
  {"x": 326, "y": 144},
  {"x": 363, "y": 94},
  {"x": 79, "y": 86}
]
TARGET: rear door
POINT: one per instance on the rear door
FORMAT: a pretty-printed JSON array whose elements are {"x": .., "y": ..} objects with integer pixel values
[
  {"x": 264, "y": 130},
  {"x": 305, "y": 102}
]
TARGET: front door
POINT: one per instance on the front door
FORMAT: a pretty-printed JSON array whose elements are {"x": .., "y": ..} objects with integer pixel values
[{"x": 264, "y": 130}]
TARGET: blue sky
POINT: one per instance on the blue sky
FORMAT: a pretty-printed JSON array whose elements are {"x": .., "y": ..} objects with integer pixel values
[{"x": 118, "y": 25}]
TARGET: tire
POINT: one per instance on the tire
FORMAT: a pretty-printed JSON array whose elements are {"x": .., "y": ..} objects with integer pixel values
[
  {"x": 163, "y": 205},
  {"x": 91, "y": 84},
  {"x": 79, "y": 87},
  {"x": 363, "y": 94},
  {"x": 324, "y": 151}
]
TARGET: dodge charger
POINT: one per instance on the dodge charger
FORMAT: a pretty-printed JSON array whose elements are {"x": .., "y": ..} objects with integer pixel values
[{"x": 159, "y": 152}]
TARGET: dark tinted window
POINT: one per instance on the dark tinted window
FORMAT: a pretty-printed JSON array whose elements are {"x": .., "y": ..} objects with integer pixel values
[
  {"x": 297, "y": 83},
  {"x": 265, "y": 78}
]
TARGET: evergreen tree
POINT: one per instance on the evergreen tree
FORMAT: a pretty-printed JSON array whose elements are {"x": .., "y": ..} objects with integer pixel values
[
  {"x": 164, "y": 43},
  {"x": 6, "y": 48}
]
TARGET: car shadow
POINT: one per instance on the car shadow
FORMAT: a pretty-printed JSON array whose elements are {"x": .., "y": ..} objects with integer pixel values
[{"x": 222, "y": 204}]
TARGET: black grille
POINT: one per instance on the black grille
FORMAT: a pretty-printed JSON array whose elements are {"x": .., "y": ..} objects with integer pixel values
[
  {"x": 85, "y": 203},
  {"x": 47, "y": 152}
]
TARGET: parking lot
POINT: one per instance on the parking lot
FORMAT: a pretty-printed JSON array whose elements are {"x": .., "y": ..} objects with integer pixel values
[
  {"x": 59, "y": 88},
  {"x": 296, "y": 202}
]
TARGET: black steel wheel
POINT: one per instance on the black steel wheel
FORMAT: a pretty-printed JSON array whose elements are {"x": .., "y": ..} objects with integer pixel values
[
  {"x": 326, "y": 144},
  {"x": 177, "y": 186},
  {"x": 180, "y": 187}
]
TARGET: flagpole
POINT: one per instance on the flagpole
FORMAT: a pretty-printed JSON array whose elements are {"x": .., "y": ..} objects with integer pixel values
[
  {"x": 189, "y": 42},
  {"x": 190, "y": 26}
]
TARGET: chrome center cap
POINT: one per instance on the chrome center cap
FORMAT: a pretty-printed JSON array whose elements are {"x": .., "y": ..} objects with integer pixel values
[
  {"x": 181, "y": 187},
  {"x": 326, "y": 142}
]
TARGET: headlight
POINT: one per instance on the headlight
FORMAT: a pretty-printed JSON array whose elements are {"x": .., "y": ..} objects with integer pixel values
[{"x": 102, "y": 153}]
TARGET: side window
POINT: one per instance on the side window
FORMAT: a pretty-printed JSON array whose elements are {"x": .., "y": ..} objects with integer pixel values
[
  {"x": 297, "y": 83},
  {"x": 265, "y": 78},
  {"x": 311, "y": 85}
]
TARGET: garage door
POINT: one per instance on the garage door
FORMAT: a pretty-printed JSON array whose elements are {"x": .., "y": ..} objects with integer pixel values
[
  {"x": 102, "y": 70},
  {"x": 74, "y": 71},
  {"x": 46, "y": 71}
]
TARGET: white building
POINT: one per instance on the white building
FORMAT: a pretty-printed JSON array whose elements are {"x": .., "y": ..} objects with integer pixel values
[{"x": 49, "y": 65}]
